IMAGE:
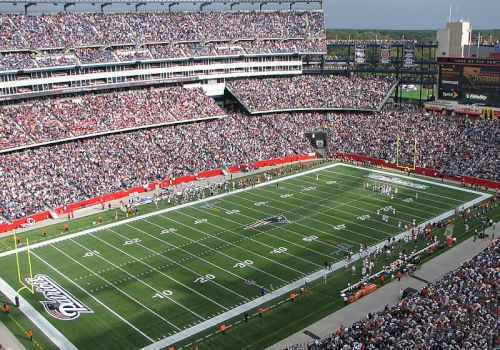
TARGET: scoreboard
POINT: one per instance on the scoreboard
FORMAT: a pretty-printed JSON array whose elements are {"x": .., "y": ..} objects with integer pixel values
[{"x": 469, "y": 80}]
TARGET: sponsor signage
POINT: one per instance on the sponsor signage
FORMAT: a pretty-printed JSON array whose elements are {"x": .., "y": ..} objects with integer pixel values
[
  {"x": 385, "y": 53},
  {"x": 59, "y": 302},
  {"x": 360, "y": 54},
  {"x": 470, "y": 84},
  {"x": 409, "y": 55},
  {"x": 449, "y": 94}
]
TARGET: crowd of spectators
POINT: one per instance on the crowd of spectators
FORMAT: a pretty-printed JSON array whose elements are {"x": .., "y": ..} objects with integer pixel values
[
  {"x": 380, "y": 41},
  {"x": 17, "y": 60},
  {"x": 91, "y": 34},
  {"x": 89, "y": 55},
  {"x": 311, "y": 92},
  {"x": 87, "y": 29},
  {"x": 92, "y": 55},
  {"x": 55, "y": 60},
  {"x": 64, "y": 173},
  {"x": 133, "y": 55},
  {"x": 55, "y": 118},
  {"x": 460, "y": 311}
]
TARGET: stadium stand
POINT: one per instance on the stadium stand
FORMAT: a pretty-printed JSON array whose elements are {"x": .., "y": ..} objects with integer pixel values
[
  {"x": 306, "y": 92},
  {"x": 29, "y": 41},
  {"x": 457, "y": 312},
  {"x": 73, "y": 171},
  {"x": 65, "y": 173},
  {"x": 54, "y": 119}
]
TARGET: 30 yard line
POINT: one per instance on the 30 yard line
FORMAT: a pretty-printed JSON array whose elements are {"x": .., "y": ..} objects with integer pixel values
[{"x": 236, "y": 246}]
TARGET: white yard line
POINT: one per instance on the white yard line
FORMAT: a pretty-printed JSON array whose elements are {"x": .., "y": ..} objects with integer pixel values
[
  {"x": 134, "y": 300},
  {"x": 328, "y": 208},
  {"x": 46, "y": 327},
  {"x": 215, "y": 321},
  {"x": 424, "y": 193},
  {"x": 282, "y": 227},
  {"x": 332, "y": 216},
  {"x": 311, "y": 218},
  {"x": 389, "y": 201},
  {"x": 182, "y": 266},
  {"x": 236, "y": 246},
  {"x": 155, "y": 269},
  {"x": 266, "y": 234},
  {"x": 222, "y": 253},
  {"x": 409, "y": 178},
  {"x": 193, "y": 255},
  {"x": 163, "y": 211},
  {"x": 42, "y": 326}
]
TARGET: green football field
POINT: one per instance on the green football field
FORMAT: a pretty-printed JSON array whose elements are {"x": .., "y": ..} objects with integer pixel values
[{"x": 164, "y": 277}]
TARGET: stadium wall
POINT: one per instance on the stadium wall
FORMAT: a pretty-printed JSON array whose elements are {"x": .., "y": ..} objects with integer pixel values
[
  {"x": 465, "y": 180},
  {"x": 141, "y": 189}
]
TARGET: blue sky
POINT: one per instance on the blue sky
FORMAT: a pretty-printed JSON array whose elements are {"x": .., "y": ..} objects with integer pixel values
[
  {"x": 370, "y": 14},
  {"x": 410, "y": 14}
]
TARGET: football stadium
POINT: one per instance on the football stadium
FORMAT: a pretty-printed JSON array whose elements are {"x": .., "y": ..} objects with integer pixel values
[{"x": 231, "y": 175}]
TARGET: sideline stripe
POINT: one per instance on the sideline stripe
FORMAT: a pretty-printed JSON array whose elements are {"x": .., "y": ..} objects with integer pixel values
[
  {"x": 33, "y": 317},
  {"x": 284, "y": 290},
  {"x": 48, "y": 328},
  {"x": 163, "y": 211},
  {"x": 41, "y": 322}
]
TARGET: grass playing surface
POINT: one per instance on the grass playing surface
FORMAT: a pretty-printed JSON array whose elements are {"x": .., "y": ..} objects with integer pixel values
[{"x": 149, "y": 279}]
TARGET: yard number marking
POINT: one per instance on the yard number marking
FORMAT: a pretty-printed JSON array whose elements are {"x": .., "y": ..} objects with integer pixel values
[
  {"x": 232, "y": 212},
  {"x": 91, "y": 253},
  {"x": 132, "y": 241},
  {"x": 168, "y": 230},
  {"x": 278, "y": 250},
  {"x": 163, "y": 294},
  {"x": 243, "y": 264},
  {"x": 204, "y": 279}
]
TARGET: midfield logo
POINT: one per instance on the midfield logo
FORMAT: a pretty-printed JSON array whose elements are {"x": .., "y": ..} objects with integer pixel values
[
  {"x": 60, "y": 304},
  {"x": 279, "y": 219}
]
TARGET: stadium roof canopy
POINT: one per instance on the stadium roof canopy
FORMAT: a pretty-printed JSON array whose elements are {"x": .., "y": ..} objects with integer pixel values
[{"x": 169, "y": 3}]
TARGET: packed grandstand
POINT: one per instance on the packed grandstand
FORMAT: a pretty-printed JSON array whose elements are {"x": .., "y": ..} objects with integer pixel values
[
  {"x": 68, "y": 39},
  {"x": 59, "y": 150},
  {"x": 458, "y": 311}
]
